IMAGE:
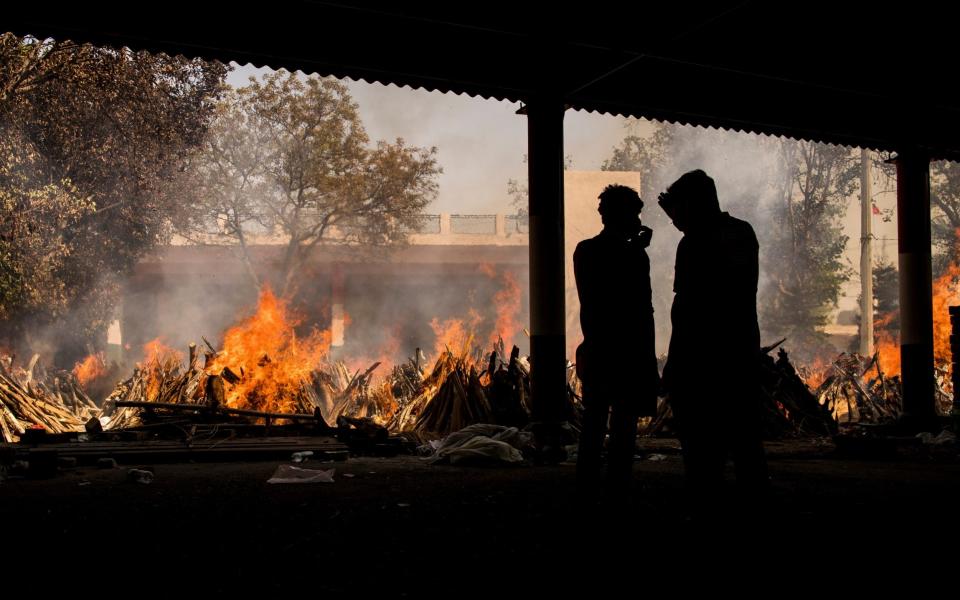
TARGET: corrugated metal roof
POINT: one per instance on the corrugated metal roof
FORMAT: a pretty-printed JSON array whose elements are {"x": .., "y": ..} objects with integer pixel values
[{"x": 816, "y": 70}]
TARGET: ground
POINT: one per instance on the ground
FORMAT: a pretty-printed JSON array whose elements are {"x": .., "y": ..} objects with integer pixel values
[{"x": 402, "y": 528}]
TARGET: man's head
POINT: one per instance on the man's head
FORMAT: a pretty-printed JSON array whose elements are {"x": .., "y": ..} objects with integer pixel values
[
  {"x": 691, "y": 201},
  {"x": 620, "y": 208}
]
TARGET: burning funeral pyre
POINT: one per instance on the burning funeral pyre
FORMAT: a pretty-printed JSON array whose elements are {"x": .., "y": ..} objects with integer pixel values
[{"x": 265, "y": 373}]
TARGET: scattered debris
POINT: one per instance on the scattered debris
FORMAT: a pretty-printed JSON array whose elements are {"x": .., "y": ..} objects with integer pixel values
[
  {"x": 291, "y": 474},
  {"x": 299, "y": 457},
  {"x": 944, "y": 438},
  {"x": 483, "y": 444},
  {"x": 143, "y": 476}
]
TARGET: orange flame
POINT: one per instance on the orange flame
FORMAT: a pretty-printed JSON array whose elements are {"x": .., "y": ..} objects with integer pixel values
[
  {"x": 264, "y": 351},
  {"x": 816, "y": 373},
  {"x": 158, "y": 359},
  {"x": 946, "y": 292},
  {"x": 90, "y": 368},
  {"x": 506, "y": 303},
  {"x": 455, "y": 334},
  {"x": 156, "y": 352},
  {"x": 887, "y": 346}
]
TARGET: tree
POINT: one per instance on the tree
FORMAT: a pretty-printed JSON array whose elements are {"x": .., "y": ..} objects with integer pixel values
[
  {"x": 34, "y": 224},
  {"x": 945, "y": 217},
  {"x": 103, "y": 137},
  {"x": 805, "y": 264},
  {"x": 288, "y": 156},
  {"x": 647, "y": 154}
]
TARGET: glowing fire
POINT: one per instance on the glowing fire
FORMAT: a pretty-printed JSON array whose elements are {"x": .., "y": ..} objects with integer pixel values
[
  {"x": 263, "y": 350},
  {"x": 506, "y": 304},
  {"x": 816, "y": 373},
  {"x": 156, "y": 352},
  {"x": 158, "y": 361},
  {"x": 887, "y": 346},
  {"x": 90, "y": 368},
  {"x": 946, "y": 292},
  {"x": 455, "y": 335}
]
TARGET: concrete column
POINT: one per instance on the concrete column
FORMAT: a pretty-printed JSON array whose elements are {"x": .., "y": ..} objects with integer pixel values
[
  {"x": 547, "y": 312},
  {"x": 916, "y": 285}
]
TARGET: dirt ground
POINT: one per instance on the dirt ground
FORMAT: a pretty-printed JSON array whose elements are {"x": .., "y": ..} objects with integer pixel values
[{"x": 397, "y": 527}]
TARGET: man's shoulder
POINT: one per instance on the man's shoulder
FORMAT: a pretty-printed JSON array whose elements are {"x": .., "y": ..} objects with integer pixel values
[
  {"x": 589, "y": 245},
  {"x": 738, "y": 228}
]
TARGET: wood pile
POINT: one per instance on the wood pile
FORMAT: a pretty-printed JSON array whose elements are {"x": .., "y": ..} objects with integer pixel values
[
  {"x": 466, "y": 388},
  {"x": 34, "y": 397},
  {"x": 856, "y": 390},
  {"x": 788, "y": 407}
]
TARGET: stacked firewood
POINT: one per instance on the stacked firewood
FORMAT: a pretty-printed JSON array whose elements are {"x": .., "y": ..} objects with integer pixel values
[
  {"x": 338, "y": 393},
  {"x": 162, "y": 379},
  {"x": 788, "y": 407},
  {"x": 856, "y": 390},
  {"x": 34, "y": 397},
  {"x": 461, "y": 390}
]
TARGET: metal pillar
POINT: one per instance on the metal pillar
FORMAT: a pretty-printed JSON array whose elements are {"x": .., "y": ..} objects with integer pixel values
[
  {"x": 547, "y": 307},
  {"x": 916, "y": 285}
]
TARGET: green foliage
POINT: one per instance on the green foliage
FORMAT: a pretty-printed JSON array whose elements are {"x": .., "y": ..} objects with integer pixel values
[
  {"x": 96, "y": 142},
  {"x": 805, "y": 257}
]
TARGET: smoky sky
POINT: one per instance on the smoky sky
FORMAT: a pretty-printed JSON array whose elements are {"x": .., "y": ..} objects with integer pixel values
[{"x": 481, "y": 142}]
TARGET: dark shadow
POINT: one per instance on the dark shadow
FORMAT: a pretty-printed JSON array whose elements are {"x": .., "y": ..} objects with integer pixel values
[
  {"x": 616, "y": 362},
  {"x": 711, "y": 374}
]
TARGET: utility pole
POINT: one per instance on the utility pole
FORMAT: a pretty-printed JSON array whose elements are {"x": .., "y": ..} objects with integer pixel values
[{"x": 866, "y": 256}]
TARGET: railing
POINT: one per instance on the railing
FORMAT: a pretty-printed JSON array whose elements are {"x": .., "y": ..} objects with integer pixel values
[
  {"x": 425, "y": 224},
  {"x": 474, "y": 224},
  {"x": 517, "y": 224}
]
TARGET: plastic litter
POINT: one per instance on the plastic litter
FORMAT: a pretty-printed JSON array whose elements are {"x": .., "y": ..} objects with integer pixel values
[
  {"x": 140, "y": 476},
  {"x": 299, "y": 457},
  {"x": 943, "y": 438},
  {"x": 291, "y": 474}
]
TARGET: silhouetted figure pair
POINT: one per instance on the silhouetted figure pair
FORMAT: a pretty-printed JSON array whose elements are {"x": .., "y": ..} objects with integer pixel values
[
  {"x": 616, "y": 362},
  {"x": 712, "y": 370}
]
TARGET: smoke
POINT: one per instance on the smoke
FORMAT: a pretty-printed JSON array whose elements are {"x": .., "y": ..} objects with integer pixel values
[{"x": 744, "y": 167}]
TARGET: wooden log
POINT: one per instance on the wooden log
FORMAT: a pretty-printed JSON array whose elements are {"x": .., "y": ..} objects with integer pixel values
[{"x": 213, "y": 391}]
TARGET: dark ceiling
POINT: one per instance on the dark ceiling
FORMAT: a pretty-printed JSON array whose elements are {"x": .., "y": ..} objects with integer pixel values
[{"x": 840, "y": 72}]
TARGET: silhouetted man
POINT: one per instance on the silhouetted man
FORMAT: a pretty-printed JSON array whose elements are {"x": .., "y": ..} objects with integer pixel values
[
  {"x": 616, "y": 362},
  {"x": 712, "y": 366}
]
